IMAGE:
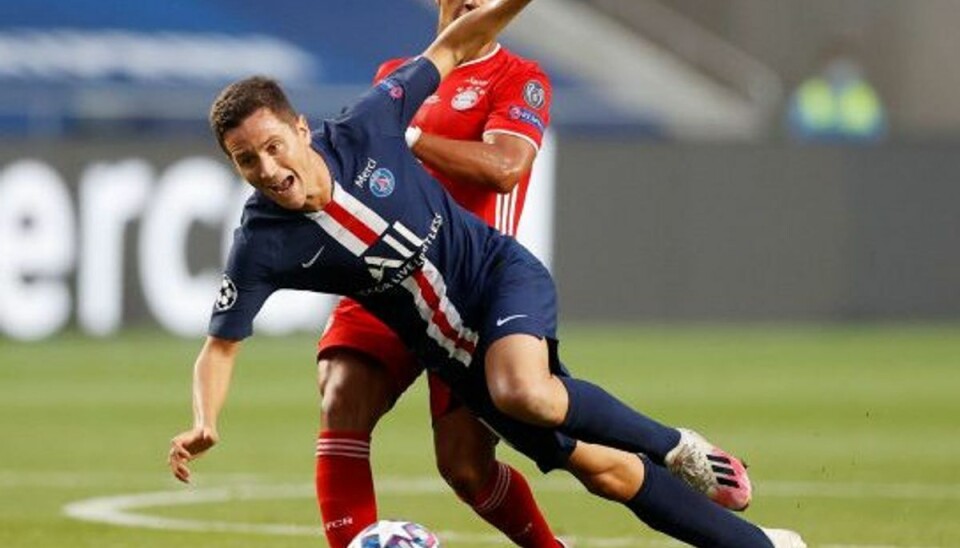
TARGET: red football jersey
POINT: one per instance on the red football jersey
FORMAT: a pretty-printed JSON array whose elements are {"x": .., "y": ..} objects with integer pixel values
[{"x": 499, "y": 92}]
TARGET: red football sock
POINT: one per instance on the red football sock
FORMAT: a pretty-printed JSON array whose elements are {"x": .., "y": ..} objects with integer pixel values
[
  {"x": 507, "y": 503},
  {"x": 344, "y": 485}
]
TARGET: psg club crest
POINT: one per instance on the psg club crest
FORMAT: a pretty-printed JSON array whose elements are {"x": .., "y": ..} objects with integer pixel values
[
  {"x": 227, "y": 296},
  {"x": 392, "y": 87},
  {"x": 382, "y": 183},
  {"x": 534, "y": 94}
]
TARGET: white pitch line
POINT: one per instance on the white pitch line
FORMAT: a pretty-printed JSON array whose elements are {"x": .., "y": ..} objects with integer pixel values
[
  {"x": 60, "y": 479},
  {"x": 122, "y": 510},
  {"x": 119, "y": 510}
]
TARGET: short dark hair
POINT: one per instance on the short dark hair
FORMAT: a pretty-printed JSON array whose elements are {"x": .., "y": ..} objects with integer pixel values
[{"x": 244, "y": 97}]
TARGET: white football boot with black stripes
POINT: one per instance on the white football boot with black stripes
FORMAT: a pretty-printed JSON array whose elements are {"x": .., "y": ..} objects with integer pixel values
[
  {"x": 710, "y": 470},
  {"x": 784, "y": 538}
]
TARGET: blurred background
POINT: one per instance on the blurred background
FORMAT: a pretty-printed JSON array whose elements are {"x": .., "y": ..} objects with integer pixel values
[
  {"x": 711, "y": 159},
  {"x": 751, "y": 208}
]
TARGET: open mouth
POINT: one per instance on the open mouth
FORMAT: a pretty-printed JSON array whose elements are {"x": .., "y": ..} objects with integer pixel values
[{"x": 283, "y": 185}]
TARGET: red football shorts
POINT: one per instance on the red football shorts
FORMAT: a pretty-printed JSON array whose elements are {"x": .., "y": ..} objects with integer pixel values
[{"x": 351, "y": 327}]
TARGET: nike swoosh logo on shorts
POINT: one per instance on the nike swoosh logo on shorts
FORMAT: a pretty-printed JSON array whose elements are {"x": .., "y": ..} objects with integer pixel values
[
  {"x": 501, "y": 321},
  {"x": 313, "y": 259}
]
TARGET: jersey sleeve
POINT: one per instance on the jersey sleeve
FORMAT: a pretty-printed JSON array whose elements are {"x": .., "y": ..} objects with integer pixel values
[
  {"x": 521, "y": 104},
  {"x": 243, "y": 290},
  {"x": 388, "y": 67},
  {"x": 392, "y": 102}
]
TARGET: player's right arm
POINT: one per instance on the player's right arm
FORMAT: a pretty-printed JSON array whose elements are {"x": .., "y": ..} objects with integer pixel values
[
  {"x": 465, "y": 36},
  {"x": 243, "y": 290},
  {"x": 497, "y": 163},
  {"x": 212, "y": 372}
]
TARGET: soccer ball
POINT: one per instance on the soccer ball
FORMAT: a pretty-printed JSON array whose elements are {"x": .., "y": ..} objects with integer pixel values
[{"x": 395, "y": 534}]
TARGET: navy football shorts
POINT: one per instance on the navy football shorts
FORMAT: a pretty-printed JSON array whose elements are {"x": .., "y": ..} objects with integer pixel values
[{"x": 518, "y": 298}]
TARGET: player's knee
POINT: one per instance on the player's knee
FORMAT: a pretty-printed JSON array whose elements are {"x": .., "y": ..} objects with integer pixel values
[
  {"x": 466, "y": 477},
  {"x": 465, "y": 470},
  {"x": 526, "y": 401},
  {"x": 465, "y": 451},
  {"x": 512, "y": 399},
  {"x": 338, "y": 412},
  {"x": 355, "y": 392}
]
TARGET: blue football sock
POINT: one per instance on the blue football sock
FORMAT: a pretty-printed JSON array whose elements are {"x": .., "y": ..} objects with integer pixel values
[
  {"x": 670, "y": 506},
  {"x": 595, "y": 416}
]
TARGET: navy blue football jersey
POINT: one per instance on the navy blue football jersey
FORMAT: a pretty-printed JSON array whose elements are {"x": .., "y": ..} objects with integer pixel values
[{"x": 391, "y": 238}]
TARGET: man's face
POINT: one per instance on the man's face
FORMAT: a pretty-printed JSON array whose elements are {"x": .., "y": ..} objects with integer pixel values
[
  {"x": 450, "y": 10},
  {"x": 273, "y": 155}
]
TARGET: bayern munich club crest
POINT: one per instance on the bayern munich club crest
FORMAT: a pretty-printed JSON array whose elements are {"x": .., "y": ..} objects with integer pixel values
[
  {"x": 382, "y": 182},
  {"x": 227, "y": 296},
  {"x": 534, "y": 94},
  {"x": 466, "y": 99}
]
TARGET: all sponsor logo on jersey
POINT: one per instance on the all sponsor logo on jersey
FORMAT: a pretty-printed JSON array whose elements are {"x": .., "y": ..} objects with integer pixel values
[
  {"x": 432, "y": 100},
  {"x": 227, "y": 296},
  {"x": 392, "y": 87},
  {"x": 407, "y": 253},
  {"x": 534, "y": 94},
  {"x": 466, "y": 99},
  {"x": 382, "y": 183},
  {"x": 526, "y": 116}
]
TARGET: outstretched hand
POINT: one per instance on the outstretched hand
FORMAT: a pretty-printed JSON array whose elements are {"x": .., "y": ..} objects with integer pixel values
[{"x": 187, "y": 446}]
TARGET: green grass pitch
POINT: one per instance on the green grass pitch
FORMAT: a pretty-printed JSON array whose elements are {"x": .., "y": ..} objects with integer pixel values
[{"x": 852, "y": 434}]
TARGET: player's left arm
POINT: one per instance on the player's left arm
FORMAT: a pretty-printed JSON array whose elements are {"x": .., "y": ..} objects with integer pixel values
[
  {"x": 404, "y": 91},
  {"x": 497, "y": 163},
  {"x": 465, "y": 36}
]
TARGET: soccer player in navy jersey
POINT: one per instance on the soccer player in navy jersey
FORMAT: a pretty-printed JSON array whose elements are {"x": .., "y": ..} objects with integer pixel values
[
  {"x": 349, "y": 210},
  {"x": 478, "y": 134}
]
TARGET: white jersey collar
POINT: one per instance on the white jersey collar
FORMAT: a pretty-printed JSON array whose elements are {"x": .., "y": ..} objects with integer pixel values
[{"x": 487, "y": 57}]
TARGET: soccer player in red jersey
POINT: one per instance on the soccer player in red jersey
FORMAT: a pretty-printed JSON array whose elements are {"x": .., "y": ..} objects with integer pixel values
[{"x": 478, "y": 135}]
